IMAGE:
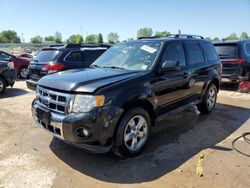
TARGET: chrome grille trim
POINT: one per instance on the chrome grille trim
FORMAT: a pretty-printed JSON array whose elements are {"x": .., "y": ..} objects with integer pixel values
[{"x": 53, "y": 100}]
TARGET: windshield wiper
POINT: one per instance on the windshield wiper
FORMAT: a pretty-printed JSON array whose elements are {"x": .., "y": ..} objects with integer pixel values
[
  {"x": 114, "y": 67},
  {"x": 95, "y": 66}
]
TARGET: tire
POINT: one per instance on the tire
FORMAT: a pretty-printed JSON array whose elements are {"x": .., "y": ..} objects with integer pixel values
[
  {"x": 2, "y": 85},
  {"x": 131, "y": 137},
  {"x": 23, "y": 72},
  {"x": 209, "y": 101}
]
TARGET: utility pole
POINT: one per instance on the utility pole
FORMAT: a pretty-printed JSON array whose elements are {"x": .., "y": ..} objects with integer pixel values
[{"x": 81, "y": 30}]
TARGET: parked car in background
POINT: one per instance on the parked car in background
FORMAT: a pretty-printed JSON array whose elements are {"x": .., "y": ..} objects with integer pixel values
[
  {"x": 20, "y": 64},
  {"x": 60, "y": 58},
  {"x": 27, "y": 56},
  {"x": 114, "y": 103},
  {"x": 7, "y": 75},
  {"x": 235, "y": 57}
]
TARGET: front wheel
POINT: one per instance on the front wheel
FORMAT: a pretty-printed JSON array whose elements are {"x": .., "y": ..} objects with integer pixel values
[
  {"x": 208, "y": 103},
  {"x": 132, "y": 134},
  {"x": 2, "y": 85},
  {"x": 23, "y": 72}
]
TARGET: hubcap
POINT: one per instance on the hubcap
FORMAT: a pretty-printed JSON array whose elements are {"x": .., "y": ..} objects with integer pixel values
[
  {"x": 24, "y": 72},
  {"x": 211, "y": 98},
  {"x": 136, "y": 133}
]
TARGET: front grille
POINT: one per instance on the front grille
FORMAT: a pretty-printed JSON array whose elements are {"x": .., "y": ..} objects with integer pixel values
[{"x": 52, "y": 100}]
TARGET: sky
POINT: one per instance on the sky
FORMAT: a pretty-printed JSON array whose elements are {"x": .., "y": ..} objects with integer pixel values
[{"x": 214, "y": 18}]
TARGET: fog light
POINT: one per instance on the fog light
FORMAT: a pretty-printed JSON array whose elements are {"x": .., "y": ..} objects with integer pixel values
[{"x": 83, "y": 132}]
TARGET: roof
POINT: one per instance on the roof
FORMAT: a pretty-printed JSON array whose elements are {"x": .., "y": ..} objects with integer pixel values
[{"x": 76, "y": 46}]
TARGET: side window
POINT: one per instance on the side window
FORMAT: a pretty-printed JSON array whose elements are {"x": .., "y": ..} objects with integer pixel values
[
  {"x": 247, "y": 47},
  {"x": 4, "y": 56},
  {"x": 91, "y": 55},
  {"x": 195, "y": 53},
  {"x": 174, "y": 52},
  {"x": 209, "y": 50},
  {"x": 75, "y": 56}
]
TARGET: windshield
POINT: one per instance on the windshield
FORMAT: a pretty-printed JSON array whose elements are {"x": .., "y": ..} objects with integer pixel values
[
  {"x": 227, "y": 51},
  {"x": 136, "y": 56},
  {"x": 46, "y": 55}
]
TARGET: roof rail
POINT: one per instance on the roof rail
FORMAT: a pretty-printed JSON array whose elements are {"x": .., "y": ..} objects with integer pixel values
[
  {"x": 186, "y": 36},
  {"x": 86, "y": 45},
  {"x": 56, "y": 45},
  {"x": 153, "y": 37}
]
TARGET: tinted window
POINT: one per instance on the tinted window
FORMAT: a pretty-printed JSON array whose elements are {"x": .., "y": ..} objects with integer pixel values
[
  {"x": 227, "y": 50},
  {"x": 92, "y": 55},
  {"x": 75, "y": 56},
  {"x": 209, "y": 50},
  {"x": 174, "y": 52},
  {"x": 195, "y": 53},
  {"x": 247, "y": 47},
  {"x": 47, "y": 55},
  {"x": 4, "y": 56}
]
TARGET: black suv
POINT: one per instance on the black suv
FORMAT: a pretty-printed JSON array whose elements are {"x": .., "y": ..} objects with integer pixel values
[
  {"x": 235, "y": 58},
  {"x": 7, "y": 75},
  {"x": 62, "y": 57},
  {"x": 115, "y": 102}
]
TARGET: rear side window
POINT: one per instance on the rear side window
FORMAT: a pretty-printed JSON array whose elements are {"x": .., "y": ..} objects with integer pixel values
[
  {"x": 194, "y": 53},
  {"x": 227, "y": 50},
  {"x": 47, "y": 55},
  {"x": 209, "y": 50},
  {"x": 92, "y": 55},
  {"x": 247, "y": 47},
  {"x": 75, "y": 56},
  {"x": 174, "y": 52}
]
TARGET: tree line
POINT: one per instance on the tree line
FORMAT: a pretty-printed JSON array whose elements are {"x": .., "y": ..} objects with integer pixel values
[{"x": 10, "y": 36}]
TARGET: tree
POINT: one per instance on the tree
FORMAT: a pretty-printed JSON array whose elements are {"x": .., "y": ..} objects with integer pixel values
[
  {"x": 113, "y": 38},
  {"x": 36, "y": 39},
  {"x": 58, "y": 37},
  {"x": 71, "y": 39},
  {"x": 79, "y": 39},
  {"x": 162, "y": 34},
  {"x": 244, "y": 35},
  {"x": 233, "y": 36},
  {"x": 99, "y": 38},
  {"x": 216, "y": 39},
  {"x": 208, "y": 38},
  {"x": 50, "y": 39},
  {"x": 9, "y": 36},
  {"x": 144, "y": 32},
  {"x": 91, "y": 39}
]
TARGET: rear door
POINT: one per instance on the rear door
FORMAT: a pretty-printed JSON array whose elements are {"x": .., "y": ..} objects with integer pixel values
[{"x": 198, "y": 68}]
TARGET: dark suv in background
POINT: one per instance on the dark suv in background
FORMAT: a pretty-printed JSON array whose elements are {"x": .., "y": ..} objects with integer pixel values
[
  {"x": 60, "y": 58},
  {"x": 114, "y": 103},
  {"x": 235, "y": 57}
]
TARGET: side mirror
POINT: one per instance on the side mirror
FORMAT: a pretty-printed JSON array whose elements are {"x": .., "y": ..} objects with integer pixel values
[{"x": 170, "y": 65}]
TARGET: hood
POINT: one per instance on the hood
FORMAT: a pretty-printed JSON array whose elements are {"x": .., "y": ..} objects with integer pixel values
[
  {"x": 20, "y": 59},
  {"x": 86, "y": 80}
]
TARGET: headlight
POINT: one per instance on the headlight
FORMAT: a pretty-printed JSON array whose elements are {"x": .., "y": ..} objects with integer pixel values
[
  {"x": 11, "y": 65},
  {"x": 85, "y": 103}
]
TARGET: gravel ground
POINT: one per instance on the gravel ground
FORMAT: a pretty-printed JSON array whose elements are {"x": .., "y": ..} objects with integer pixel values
[{"x": 30, "y": 157}]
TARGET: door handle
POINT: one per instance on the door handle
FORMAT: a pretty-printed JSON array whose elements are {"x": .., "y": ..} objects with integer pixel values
[{"x": 186, "y": 74}]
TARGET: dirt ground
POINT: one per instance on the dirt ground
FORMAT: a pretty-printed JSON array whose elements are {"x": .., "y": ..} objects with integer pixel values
[{"x": 31, "y": 157}]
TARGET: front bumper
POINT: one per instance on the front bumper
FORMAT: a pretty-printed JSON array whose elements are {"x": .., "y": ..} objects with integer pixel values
[{"x": 99, "y": 122}]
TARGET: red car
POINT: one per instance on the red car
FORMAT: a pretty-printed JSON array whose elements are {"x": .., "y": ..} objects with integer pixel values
[{"x": 20, "y": 64}]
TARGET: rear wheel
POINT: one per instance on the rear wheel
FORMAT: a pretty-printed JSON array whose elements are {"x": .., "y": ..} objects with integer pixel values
[
  {"x": 23, "y": 72},
  {"x": 132, "y": 134},
  {"x": 209, "y": 100},
  {"x": 2, "y": 85}
]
